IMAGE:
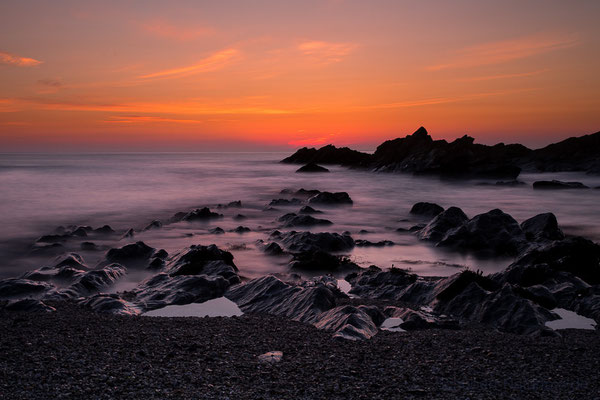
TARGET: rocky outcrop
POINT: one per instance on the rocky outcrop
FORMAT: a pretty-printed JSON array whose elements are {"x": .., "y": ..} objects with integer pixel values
[
  {"x": 135, "y": 255},
  {"x": 308, "y": 241},
  {"x": 207, "y": 260},
  {"x": 558, "y": 185},
  {"x": 328, "y": 155},
  {"x": 443, "y": 223},
  {"x": 309, "y": 210},
  {"x": 348, "y": 322},
  {"x": 572, "y": 154},
  {"x": 426, "y": 209},
  {"x": 318, "y": 261},
  {"x": 200, "y": 214},
  {"x": 312, "y": 167},
  {"x": 19, "y": 288},
  {"x": 328, "y": 198},
  {"x": 110, "y": 304},
  {"x": 95, "y": 281},
  {"x": 542, "y": 227},
  {"x": 292, "y": 220}
]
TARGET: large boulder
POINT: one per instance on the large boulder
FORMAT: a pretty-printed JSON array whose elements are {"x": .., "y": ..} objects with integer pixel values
[
  {"x": 318, "y": 261},
  {"x": 134, "y": 255},
  {"x": 270, "y": 295},
  {"x": 308, "y": 241},
  {"x": 328, "y": 155},
  {"x": 329, "y": 198},
  {"x": 378, "y": 284},
  {"x": 292, "y": 220},
  {"x": 207, "y": 260},
  {"x": 441, "y": 224},
  {"x": 494, "y": 232},
  {"x": 201, "y": 214},
  {"x": 542, "y": 227},
  {"x": 19, "y": 288},
  {"x": 95, "y": 281},
  {"x": 110, "y": 304},
  {"x": 426, "y": 209},
  {"x": 348, "y": 322}
]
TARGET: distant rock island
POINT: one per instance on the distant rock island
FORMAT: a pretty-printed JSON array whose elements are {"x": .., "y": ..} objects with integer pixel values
[{"x": 463, "y": 158}]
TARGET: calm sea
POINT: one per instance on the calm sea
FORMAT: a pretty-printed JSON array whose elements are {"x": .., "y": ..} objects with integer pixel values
[{"x": 127, "y": 190}]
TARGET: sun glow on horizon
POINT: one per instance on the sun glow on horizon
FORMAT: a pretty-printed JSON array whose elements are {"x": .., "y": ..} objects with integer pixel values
[{"x": 281, "y": 76}]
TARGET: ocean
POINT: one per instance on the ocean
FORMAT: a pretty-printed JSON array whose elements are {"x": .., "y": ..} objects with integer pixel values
[{"x": 128, "y": 190}]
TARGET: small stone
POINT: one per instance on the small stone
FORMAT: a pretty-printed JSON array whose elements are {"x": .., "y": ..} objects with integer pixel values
[{"x": 271, "y": 357}]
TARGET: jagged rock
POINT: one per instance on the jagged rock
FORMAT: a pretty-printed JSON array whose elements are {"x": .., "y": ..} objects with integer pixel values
[
  {"x": 444, "y": 222},
  {"x": 271, "y": 248},
  {"x": 285, "y": 202},
  {"x": 312, "y": 167},
  {"x": 494, "y": 232},
  {"x": 320, "y": 261},
  {"x": 270, "y": 295},
  {"x": 328, "y": 198},
  {"x": 292, "y": 220},
  {"x": 19, "y": 288},
  {"x": 426, "y": 209},
  {"x": 307, "y": 192},
  {"x": 308, "y": 241},
  {"x": 89, "y": 246},
  {"x": 105, "y": 230},
  {"x": 156, "y": 224},
  {"x": 129, "y": 234},
  {"x": 207, "y": 260},
  {"x": 577, "y": 256},
  {"x": 81, "y": 231},
  {"x": 216, "y": 231},
  {"x": 375, "y": 283},
  {"x": 540, "y": 295},
  {"x": 27, "y": 305},
  {"x": 572, "y": 154},
  {"x": 163, "y": 289},
  {"x": 241, "y": 229},
  {"x": 309, "y": 210},
  {"x": 328, "y": 155},
  {"x": 73, "y": 260},
  {"x": 367, "y": 243},
  {"x": 135, "y": 255},
  {"x": 558, "y": 185},
  {"x": 201, "y": 214},
  {"x": 419, "y": 320},
  {"x": 542, "y": 227},
  {"x": 62, "y": 275},
  {"x": 110, "y": 304},
  {"x": 95, "y": 281},
  {"x": 348, "y": 322}
]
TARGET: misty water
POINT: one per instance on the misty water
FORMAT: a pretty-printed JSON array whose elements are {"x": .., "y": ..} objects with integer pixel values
[{"x": 42, "y": 191}]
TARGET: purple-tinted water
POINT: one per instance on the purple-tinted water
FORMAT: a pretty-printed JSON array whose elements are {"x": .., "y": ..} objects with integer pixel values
[{"x": 42, "y": 191}]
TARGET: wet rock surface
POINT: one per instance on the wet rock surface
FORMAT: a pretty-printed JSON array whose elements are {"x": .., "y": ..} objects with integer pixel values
[{"x": 328, "y": 198}]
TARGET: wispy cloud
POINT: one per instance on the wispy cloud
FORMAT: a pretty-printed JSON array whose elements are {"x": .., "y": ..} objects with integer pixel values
[
  {"x": 189, "y": 107},
  {"x": 444, "y": 100},
  {"x": 506, "y": 50},
  {"x": 214, "y": 62},
  {"x": 167, "y": 30},
  {"x": 326, "y": 52},
  {"x": 145, "y": 119},
  {"x": 13, "y": 59}
]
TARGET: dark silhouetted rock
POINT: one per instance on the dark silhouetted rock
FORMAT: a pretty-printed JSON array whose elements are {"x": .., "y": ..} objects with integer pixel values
[
  {"x": 80, "y": 232},
  {"x": 285, "y": 202},
  {"x": 239, "y": 217},
  {"x": 201, "y": 214},
  {"x": 270, "y": 295},
  {"x": 375, "y": 283},
  {"x": 312, "y": 167},
  {"x": 105, "y": 230},
  {"x": 328, "y": 198},
  {"x": 572, "y": 154},
  {"x": 14, "y": 288},
  {"x": 273, "y": 249},
  {"x": 178, "y": 217},
  {"x": 292, "y": 220},
  {"x": 307, "y": 192},
  {"x": 89, "y": 246},
  {"x": 494, "y": 232},
  {"x": 135, "y": 255},
  {"x": 426, "y": 209},
  {"x": 110, "y": 304},
  {"x": 235, "y": 204},
  {"x": 52, "y": 239},
  {"x": 513, "y": 182},
  {"x": 419, "y": 320},
  {"x": 367, "y": 243},
  {"x": 558, "y": 185},
  {"x": 73, "y": 260},
  {"x": 242, "y": 229},
  {"x": 156, "y": 224},
  {"x": 321, "y": 261},
  {"x": 129, "y": 234},
  {"x": 444, "y": 222},
  {"x": 328, "y": 155},
  {"x": 95, "y": 281},
  {"x": 207, "y": 260},
  {"x": 348, "y": 322},
  {"x": 308, "y": 241},
  {"x": 163, "y": 289},
  {"x": 309, "y": 210},
  {"x": 47, "y": 250},
  {"x": 542, "y": 227},
  {"x": 216, "y": 231}
]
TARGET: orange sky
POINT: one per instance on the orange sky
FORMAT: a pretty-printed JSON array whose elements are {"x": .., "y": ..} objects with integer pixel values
[{"x": 274, "y": 75}]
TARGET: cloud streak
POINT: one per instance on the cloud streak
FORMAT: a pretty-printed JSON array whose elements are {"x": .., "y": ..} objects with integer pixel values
[
  {"x": 13, "y": 59},
  {"x": 326, "y": 52},
  {"x": 214, "y": 62},
  {"x": 506, "y": 50}
]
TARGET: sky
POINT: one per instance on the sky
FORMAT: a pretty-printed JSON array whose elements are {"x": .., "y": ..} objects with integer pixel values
[{"x": 275, "y": 75}]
